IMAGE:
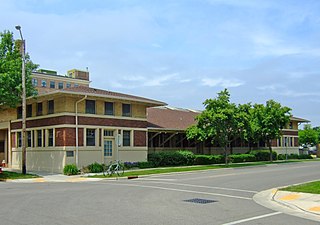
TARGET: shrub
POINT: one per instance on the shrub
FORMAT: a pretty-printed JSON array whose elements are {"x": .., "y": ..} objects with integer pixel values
[
  {"x": 238, "y": 158},
  {"x": 95, "y": 167},
  {"x": 208, "y": 159},
  {"x": 144, "y": 165},
  {"x": 130, "y": 165},
  {"x": 171, "y": 158},
  {"x": 70, "y": 169},
  {"x": 263, "y": 155}
]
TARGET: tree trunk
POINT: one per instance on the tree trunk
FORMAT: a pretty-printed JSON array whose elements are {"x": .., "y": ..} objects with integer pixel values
[
  {"x": 226, "y": 155},
  {"x": 270, "y": 149}
]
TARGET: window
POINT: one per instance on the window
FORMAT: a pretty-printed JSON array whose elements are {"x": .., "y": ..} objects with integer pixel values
[
  {"x": 50, "y": 107},
  {"x": 19, "y": 139},
  {"x": 91, "y": 137},
  {"x": 43, "y": 83},
  {"x": 70, "y": 153},
  {"x": 29, "y": 110},
  {"x": 52, "y": 84},
  {"x": 60, "y": 85},
  {"x": 50, "y": 137},
  {"x": 19, "y": 112},
  {"x": 39, "y": 138},
  {"x": 107, "y": 148},
  {"x": 29, "y": 139},
  {"x": 108, "y": 133},
  {"x": 126, "y": 110},
  {"x": 34, "y": 82},
  {"x": 126, "y": 139},
  {"x": 90, "y": 106},
  {"x": 76, "y": 85},
  {"x": 290, "y": 125},
  {"x": 68, "y": 85},
  {"x": 108, "y": 108},
  {"x": 39, "y": 109}
]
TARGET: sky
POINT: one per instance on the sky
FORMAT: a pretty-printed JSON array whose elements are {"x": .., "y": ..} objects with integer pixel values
[{"x": 181, "y": 52}]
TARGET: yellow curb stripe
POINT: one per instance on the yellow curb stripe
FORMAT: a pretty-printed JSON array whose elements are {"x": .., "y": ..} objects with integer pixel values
[
  {"x": 315, "y": 209},
  {"x": 39, "y": 180},
  {"x": 290, "y": 197},
  {"x": 76, "y": 179}
]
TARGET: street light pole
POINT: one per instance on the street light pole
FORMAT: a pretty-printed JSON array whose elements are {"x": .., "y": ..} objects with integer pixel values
[{"x": 24, "y": 104}]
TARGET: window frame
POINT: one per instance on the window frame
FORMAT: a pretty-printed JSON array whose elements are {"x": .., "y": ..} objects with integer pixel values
[
  {"x": 52, "y": 84},
  {"x": 51, "y": 138},
  {"x": 90, "y": 139},
  {"x": 39, "y": 111},
  {"x": 29, "y": 111},
  {"x": 60, "y": 85},
  {"x": 89, "y": 105},
  {"x": 107, "y": 110},
  {"x": 124, "y": 113},
  {"x": 51, "y": 106},
  {"x": 126, "y": 138}
]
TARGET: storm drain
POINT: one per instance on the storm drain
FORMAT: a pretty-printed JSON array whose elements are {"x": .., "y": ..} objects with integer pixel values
[{"x": 200, "y": 200}]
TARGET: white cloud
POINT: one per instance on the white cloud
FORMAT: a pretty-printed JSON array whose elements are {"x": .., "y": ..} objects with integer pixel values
[{"x": 225, "y": 83}]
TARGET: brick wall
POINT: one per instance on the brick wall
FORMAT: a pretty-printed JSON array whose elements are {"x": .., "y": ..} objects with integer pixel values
[
  {"x": 59, "y": 120},
  {"x": 67, "y": 137},
  {"x": 140, "y": 138}
]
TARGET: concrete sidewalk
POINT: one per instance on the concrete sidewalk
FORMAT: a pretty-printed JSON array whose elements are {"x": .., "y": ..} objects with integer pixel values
[{"x": 294, "y": 203}]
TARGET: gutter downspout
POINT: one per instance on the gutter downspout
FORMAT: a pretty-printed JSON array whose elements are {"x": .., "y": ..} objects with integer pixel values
[{"x": 77, "y": 131}]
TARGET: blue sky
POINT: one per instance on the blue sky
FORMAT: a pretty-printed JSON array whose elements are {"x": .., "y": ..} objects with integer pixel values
[{"x": 181, "y": 52}]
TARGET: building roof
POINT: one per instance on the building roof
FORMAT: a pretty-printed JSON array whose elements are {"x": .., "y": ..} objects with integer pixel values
[
  {"x": 177, "y": 119},
  {"x": 300, "y": 120},
  {"x": 170, "y": 118},
  {"x": 84, "y": 90}
]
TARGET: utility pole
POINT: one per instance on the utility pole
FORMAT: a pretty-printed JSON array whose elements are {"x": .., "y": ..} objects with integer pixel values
[{"x": 24, "y": 104}]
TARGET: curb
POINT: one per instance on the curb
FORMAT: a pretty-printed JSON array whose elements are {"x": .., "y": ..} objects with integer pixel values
[{"x": 272, "y": 199}]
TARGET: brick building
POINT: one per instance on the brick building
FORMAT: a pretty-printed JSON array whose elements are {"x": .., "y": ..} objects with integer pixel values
[{"x": 75, "y": 124}]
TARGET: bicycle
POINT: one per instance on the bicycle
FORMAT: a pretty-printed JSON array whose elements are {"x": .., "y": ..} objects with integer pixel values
[{"x": 113, "y": 168}]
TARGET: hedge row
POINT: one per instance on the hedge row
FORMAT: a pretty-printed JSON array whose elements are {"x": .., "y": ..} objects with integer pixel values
[{"x": 186, "y": 158}]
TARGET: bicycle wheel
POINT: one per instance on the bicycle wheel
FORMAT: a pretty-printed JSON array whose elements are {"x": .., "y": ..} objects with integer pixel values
[
  {"x": 120, "y": 170},
  {"x": 110, "y": 170}
]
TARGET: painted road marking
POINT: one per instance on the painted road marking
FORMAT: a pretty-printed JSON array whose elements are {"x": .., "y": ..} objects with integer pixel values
[
  {"x": 40, "y": 180},
  {"x": 253, "y": 218},
  {"x": 200, "y": 186},
  {"x": 182, "y": 190},
  {"x": 290, "y": 197},
  {"x": 315, "y": 209}
]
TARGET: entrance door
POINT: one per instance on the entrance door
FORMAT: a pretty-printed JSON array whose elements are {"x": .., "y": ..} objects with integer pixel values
[{"x": 108, "y": 150}]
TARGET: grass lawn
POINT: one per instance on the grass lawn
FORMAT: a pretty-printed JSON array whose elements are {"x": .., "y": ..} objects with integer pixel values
[
  {"x": 312, "y": 187},
  {"x": 190, "y": 168},
  {"x": 13, "y": 175}
]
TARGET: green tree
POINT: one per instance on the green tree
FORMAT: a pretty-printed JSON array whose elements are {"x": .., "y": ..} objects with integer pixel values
[
  {"x": 268, "y": 120},
  {"x": 308, "y": 135},
  {"x": 11, "y": 71},
  {"x": 221, "y": 122}
]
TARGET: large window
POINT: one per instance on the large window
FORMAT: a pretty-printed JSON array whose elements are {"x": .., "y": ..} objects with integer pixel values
[
  {"x": 126, "y": 139},
  {"x": 29, "y": 110},
  {"x": 68, "y": 85},
  {"x": 50, "y": 106},
  {"x": 126, "y": 110},
  {"x": 39, "y": 138},
  {"x": 19, "y": 139},
  {"x": 91, "y": 137},
  {"x": 60, "y": 85},
  {"x": 108, "y": 108},
  {"x": 91, "y": 106},
  {"x": 52, "y": 84},
  {"x": 35, "y": 82},
  {"x": 50, "y": 137},
  {"x": 43, "y": 83},
  {"x": 19, "y": 112},
  {"x": 39, "y": 109},
  {"x": 29, "y": 138}
]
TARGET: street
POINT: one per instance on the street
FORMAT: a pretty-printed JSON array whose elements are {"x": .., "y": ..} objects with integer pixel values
[{"x": 223, "y": 196}]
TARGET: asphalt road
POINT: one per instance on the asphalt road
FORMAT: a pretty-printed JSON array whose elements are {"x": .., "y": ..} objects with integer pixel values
[{"x": 221, "y": 196}]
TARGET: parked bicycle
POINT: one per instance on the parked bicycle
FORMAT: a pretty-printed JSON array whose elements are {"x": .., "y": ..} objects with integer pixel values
[{"x": 114, "y": 168}]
